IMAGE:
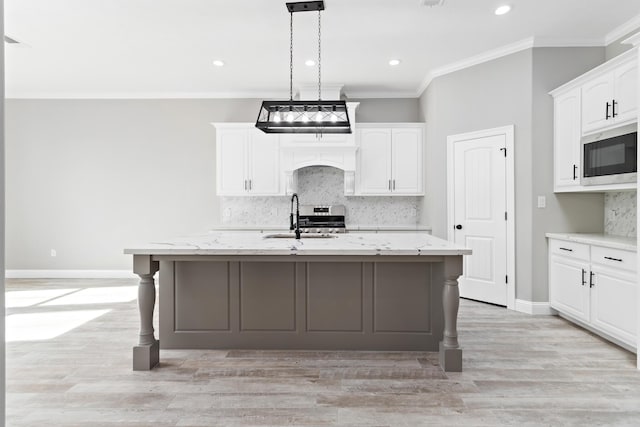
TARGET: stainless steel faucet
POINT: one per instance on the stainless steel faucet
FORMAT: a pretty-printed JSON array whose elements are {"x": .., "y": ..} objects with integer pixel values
[{"x": 295, "y": 227}]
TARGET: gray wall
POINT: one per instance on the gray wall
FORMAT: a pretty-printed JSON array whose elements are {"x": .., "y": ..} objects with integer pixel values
[
  {"x": 89, "y": 177},
  {"x": 616, "y": 48},
  {"x": 391, "y": 110},
  {"x": 505, "y": 91},
  {"x": 552, "y": 67}
]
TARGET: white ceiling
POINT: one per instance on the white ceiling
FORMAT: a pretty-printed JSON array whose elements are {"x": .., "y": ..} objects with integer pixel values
[{"x": 165, "y": 48}]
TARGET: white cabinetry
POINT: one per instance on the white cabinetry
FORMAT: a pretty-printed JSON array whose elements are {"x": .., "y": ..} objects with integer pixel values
[
  {"x": 390, "y": 159},
  {"x": 602, "y": 99},
  {"x": 610, "y": 99},
  {"x": 566, "y": 147},
  {"x": 596, "y": 287},
  {"x": 247, "y": 161}
]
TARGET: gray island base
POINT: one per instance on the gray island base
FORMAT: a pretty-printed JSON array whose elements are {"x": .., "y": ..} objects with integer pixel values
[{"x": 353, "y": 292}]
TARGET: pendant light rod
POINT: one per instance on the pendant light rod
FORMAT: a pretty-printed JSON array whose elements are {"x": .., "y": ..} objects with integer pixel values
[
  {"x": 291, "y": 56},
  {"x": 319, "y": 56},
  {"x": 291, "y": 116}
]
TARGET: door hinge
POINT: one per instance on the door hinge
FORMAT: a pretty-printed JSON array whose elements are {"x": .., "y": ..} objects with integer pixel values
[
  {"x": 505, "y": 151},
  {"x": 505, "y": 215},
  {"x": 506, "y": 279}
]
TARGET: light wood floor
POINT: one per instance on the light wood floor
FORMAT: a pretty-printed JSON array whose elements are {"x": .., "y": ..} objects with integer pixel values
[{"x": 518, "y": 370}]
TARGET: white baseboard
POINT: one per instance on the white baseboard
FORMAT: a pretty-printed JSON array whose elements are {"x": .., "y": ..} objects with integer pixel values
[
  {"x": 69, "y": 274},
  {"x": 531, "y": 307}
]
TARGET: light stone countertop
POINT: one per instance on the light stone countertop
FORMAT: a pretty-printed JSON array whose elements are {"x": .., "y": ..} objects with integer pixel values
[
  {"x": 599, "y": 239},
  {"x": 255, "y": 243},
  {"x": 350, "y": 228}
]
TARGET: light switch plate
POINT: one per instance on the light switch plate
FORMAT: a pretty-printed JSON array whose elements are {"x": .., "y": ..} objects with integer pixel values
[{"x": 542, "y": 202}]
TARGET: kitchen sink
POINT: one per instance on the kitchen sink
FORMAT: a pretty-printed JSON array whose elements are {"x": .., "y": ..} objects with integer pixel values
[{"x": 304, "y": 236}]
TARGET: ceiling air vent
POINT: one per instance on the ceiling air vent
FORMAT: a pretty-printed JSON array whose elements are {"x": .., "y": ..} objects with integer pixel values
[
  {"x": 9, "y": 40},
  {"x": 431, "y": 3}
]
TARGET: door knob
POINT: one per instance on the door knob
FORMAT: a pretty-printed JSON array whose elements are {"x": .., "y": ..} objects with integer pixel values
[{"x": 458, "y": 227}]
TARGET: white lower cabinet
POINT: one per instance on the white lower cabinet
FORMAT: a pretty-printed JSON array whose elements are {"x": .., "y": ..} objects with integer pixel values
[{"x": 597, "y": 287}]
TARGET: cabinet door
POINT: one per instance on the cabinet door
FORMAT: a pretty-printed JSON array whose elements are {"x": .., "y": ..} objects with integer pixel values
[
  {"x": 614, "y": 303},
  {"x": 374, "y": 156},
  {"x": 264, "y": 164},
  {"x": 231, "y": 151},
  {"x": 568, "y": 292},
  {"x": 626, "y": 92},
  {"x": 566, "y": 140},
  {"x": 595, "y": 96},
  {"x": 406, "y": 155}
]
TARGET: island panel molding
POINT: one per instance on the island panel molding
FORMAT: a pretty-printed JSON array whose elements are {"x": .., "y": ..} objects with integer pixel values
[{"x": 353, "y": 292}]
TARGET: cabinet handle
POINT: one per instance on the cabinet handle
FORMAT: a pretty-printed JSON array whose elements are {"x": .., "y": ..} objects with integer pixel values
[
  {"x": 566, "y": 249},
  {"x": 584, "y": 282},
  {"x": 575, "y": 170},
  {"x": 245, "y": 185},
  {"x": 394, "y": 184},
  {"x": 607, "y": 116},
  {"x": 591, "y": 274},
  {"x": 613, "y": 259},
  {"x": 249, "y": 185},
  {"x": 389, "y": 185},
  {"x": 613, "y": 109}
]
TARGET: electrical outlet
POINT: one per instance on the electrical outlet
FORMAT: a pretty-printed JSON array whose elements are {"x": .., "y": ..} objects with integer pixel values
[
  {"x": 54, "y": 252},
  {"x": 227, "y": 213}
]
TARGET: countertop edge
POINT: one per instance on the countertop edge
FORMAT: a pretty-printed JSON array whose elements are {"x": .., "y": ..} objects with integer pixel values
[{"x": 609, "y": 241}]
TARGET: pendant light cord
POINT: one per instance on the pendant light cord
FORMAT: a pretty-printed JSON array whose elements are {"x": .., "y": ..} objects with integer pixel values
[
  {"x": 291, "y": 56},
  {"x": 319, "y": 50}
]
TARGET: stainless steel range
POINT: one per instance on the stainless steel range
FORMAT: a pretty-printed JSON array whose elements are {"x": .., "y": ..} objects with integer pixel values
[{"x": 322, "y": 219}]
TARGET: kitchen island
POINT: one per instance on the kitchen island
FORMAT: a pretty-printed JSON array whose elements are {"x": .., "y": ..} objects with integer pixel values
[{"x": 248, "y": 290}]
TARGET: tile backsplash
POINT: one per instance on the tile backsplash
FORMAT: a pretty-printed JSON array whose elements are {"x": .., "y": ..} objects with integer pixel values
[
  {"x": 620, "y": 213},
  {"x": 322, "y": 185}
]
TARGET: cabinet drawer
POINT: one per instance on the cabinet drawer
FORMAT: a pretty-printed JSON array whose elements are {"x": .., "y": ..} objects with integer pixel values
[
  {"x": 570, "y": 249},
  {"x": 615, "y": 258}
]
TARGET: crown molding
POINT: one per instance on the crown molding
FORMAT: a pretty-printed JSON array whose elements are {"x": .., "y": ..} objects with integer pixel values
[
  {"x": 633, "y": 40},
  {"x": 363, "y": 94},
  {"x": 487, "y": 56},
  {"x": 146, "y": 95},
  {"x": 622, "y": 30},
  {"x": 509, "y": 49},
  {"x": 568, "y": 42}
]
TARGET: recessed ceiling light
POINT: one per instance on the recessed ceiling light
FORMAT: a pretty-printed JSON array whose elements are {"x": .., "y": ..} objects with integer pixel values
[
  {"x": 309, "y": 62},
  {"x": 394, "y": 62},
  {"x": 218, "y": 63},
  {"x": 504, "y": 9}
]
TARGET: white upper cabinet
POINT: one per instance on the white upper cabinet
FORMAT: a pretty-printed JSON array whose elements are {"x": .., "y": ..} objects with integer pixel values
[
  {"x": 609, "y": 99},
  {"x": 406, "y": 156},
  {"x": 374, "y": 161},
  {"x": 247, "y": 161},
  {"x": 625, "y": 80},
  {"x": 231, "y": 154},
  {"x": 390, "y": 160},
  {"x": 603, "y": 99},
  {"x": 263, "y": 163},
  {"x": 567, "y": 170}
]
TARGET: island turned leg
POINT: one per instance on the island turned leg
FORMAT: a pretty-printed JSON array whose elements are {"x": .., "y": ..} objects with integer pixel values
[
  {"x": 450, "y": 351},
  {"x": 146, "y": 354}
]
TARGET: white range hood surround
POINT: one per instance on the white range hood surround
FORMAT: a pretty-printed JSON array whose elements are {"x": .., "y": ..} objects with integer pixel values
[{"x": 335, "y": 150}]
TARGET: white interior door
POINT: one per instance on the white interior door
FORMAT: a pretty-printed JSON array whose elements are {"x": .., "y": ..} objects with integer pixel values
[{"x": 479, "y": 213}]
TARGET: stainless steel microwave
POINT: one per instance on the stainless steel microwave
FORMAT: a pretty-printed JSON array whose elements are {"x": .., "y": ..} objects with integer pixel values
[{"x": 610, "y": 158}]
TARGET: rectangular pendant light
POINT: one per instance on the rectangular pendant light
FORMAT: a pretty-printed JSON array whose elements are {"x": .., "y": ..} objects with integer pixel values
[
  {"x": 304, "y": 117},
  {"x": 316, "y": 117}
]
